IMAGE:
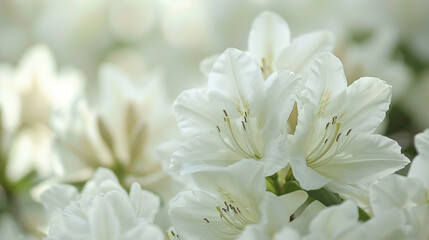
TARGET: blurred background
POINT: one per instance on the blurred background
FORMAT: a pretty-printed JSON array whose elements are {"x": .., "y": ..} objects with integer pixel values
[{"x": 66, "y": 44}]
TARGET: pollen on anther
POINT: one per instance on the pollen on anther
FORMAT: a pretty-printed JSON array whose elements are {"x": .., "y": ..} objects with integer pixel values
[
  {"x": 338, "y": 137},
  {"x": 348, "y": 132}
]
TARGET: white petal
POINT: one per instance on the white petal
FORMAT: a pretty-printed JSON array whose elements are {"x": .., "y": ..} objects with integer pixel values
[
  {"x": 326, "y": 82},
  {"x": 122, "y": 208},
  {"x": 287, "y": 233},
  {"x": 276, "y": 154},
  {"x": 58, "y": 196},
  {"x": 244, "y": 179},
  {"x": 280, "y": 96},
  {"x": 419, "y": 169},
  {"x": 204, "y": 151},
  {"x": 187, "y": 212},
  {"x": 389, "y": 226},
  {"x": 268, "y": 36},
  {"x": 236, "y": 75},
  {"x": 278, "y": 209},
  {"x": 422, "y": 143},
  {"x": 103, "y": 222},
  {"x": 367, "y": 101},
  {"x": 335, "y": 220},
  {"x": 253, "y": 232},
  {"x": 144, "y": 232},
  {"x": 195, "y": 112},
  {"x": 365, "y": 159},
  {"x": 145, "y": 203},
  {"x": 308, "y": 178},
  {"x": 396, "y": 192},
  {"x": 420, "y": 164},
  {"x": 299, "y": 56}
]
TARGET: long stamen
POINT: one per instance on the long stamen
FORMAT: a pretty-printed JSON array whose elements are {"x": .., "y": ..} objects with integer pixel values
[
  {"x": 239, "y": 139},
  {"x": 323, "y": 152}
]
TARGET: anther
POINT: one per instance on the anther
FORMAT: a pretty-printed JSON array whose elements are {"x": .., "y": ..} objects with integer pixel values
[
  {"x": 244, "y": 126},
  {"x": 218, "y": 128},
  {"x": 327, "y": 125},
  {"x": 205, "y": 219},
  {"x": 338, "y": 137},
  {"x": 348, "y": 132},
  {"x": 226, "y": 114},
  {"x": 326, "y": 140}
]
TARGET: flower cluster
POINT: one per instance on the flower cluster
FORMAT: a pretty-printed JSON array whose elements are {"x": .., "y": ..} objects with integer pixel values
[{"x": 277, "y": 143}]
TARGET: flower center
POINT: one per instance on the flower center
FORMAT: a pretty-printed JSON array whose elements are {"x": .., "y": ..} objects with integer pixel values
[
  {"x": 242, "y": 136},
  {"x": 234, "y": 220},
  {"x": 328, "y": 145},
  {"x": 267, "y": 67}
]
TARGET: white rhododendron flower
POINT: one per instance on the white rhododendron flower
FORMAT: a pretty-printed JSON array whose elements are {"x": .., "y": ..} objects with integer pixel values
[
  {"x": 226, "y": 201},
  {"x": 238, "y": 116},
  {"x": 271, "y": 47},
  {"x": 408, "y": 194},
  {"x": 31, "y": 94},
  {"x": 103, "y": 210},
  {"x": 265, "y": 140},
  {"x": 334, "y": 142},
  {"x": 121, "y": 131}
]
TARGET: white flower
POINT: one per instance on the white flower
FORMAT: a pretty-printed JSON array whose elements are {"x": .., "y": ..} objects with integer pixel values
[
  {"x": 408, "y": 194},
  {"x": 334, "y": 144},
  {"x": 270, "y": 46},
  {"x": 102, "y": 211},
  {"x": 31, "y": 94},
  {"x": 238, "y": 116},
  {"x": 121, "y": 131},
  {"x": 340, "y": 222},
  {"x": 226, "y": 201},
  {"x": 9, "y": 229}
]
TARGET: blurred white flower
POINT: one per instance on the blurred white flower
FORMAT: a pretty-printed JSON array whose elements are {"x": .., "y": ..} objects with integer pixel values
[
  {"x": 238, "y": 116},
  {"x": 103, "y": 210},
  {"x": 334, "y": 144},
  {"x": 31, "y": 94},
  {"x": 271, "y": 47},
  {"x": 120, "y": 131},
  {"x": 341, "y": 222},
  {"x": 408, "y": 194},
  {"x": 9, "y": 229},
  {"x": 374, "y": 57},
  {"x": 227, "y": 201}
]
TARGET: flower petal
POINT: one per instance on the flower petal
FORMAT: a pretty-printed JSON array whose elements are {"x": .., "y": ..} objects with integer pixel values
[
  {"x": 364, "y": 159},
  {"x": 396, "y": 192},
  {"x": 268, "y": 36},
  {"x": 326, "y": 81},
  {"x": 368, "y": 99},
  {"x": 203, "y": 151},
  {"x": 236, "y": 76},
  {"x": 299, "y": 56}
]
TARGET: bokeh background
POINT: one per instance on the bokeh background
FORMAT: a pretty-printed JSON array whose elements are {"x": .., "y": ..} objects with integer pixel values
[{"x": 166, "y": 40}]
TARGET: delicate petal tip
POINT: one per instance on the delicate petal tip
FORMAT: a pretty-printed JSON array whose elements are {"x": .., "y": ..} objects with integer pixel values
[{"x": 268, "y": 36}]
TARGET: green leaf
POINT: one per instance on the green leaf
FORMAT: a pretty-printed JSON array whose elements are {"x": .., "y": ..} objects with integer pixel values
[
  {"x": 325, "y": 196},
  {"x": 291, "y": 186},
  {"x": 363, "y": 216}
]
